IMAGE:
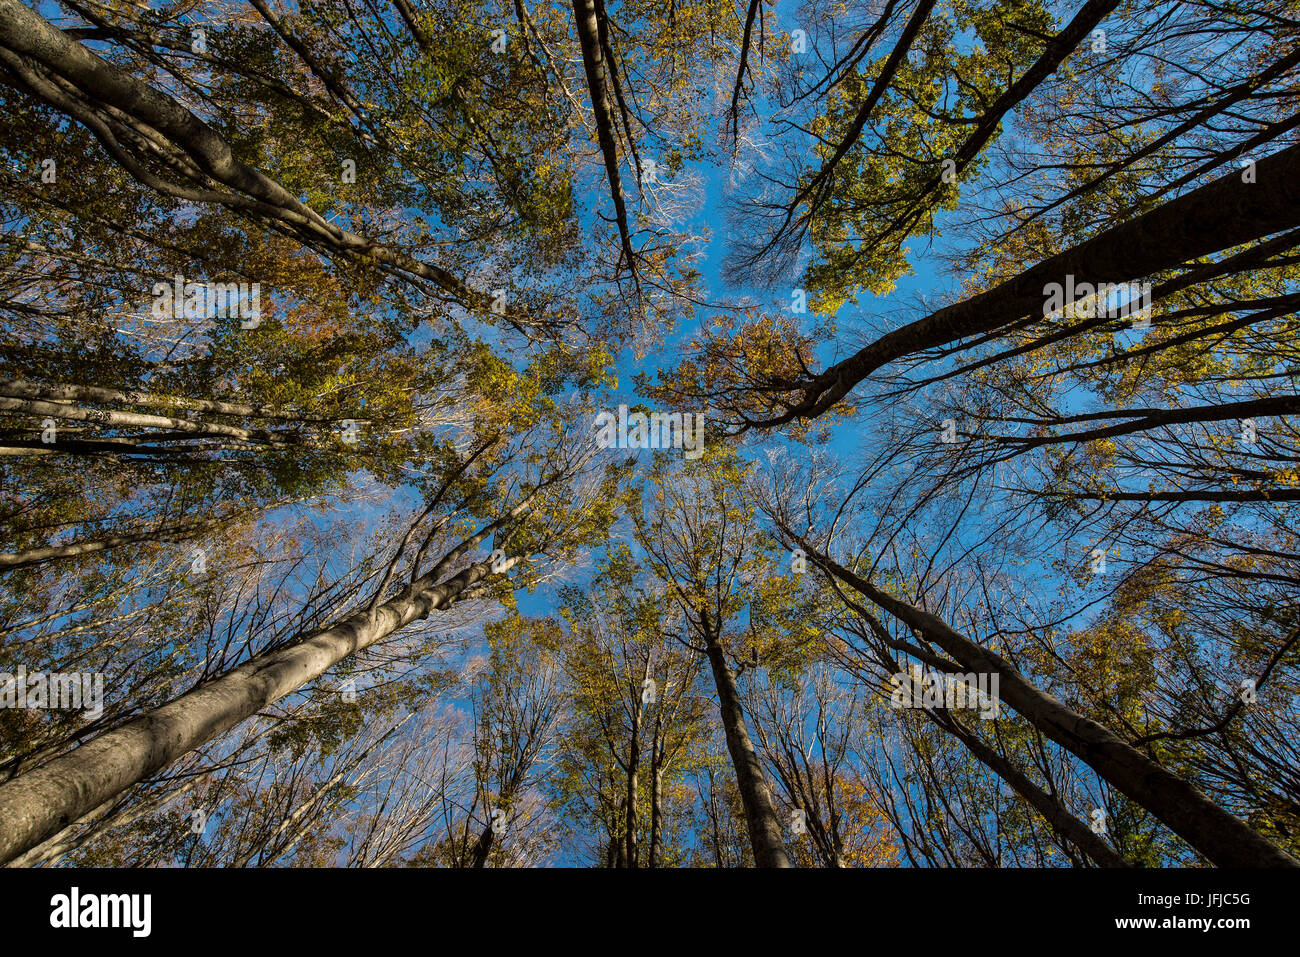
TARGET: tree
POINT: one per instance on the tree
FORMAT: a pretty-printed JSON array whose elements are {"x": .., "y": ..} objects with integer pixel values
[{"x": 700, "y": 539}]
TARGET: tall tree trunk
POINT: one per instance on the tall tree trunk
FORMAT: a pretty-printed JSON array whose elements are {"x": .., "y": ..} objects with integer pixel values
[
  {"x": 56, "y": 410},
  {"x": 41, "y": 802},
  {"x": 760, "y": 815},
  {"x": 59, "y": 391},
  {"x": 593, "y": 59},
  {"x": 656, "y": 815},
  {"x": 617, "y": 842},
  {"x": 483, "y": 847},
  {"x": 634, "y": 767},
  {"x": 656, "y": 791},
  {"x": 1053, "y": 811},
  {"x": 633, "y": 762},
  {"x": 87, "y": 546},
  {"x": 1220, "y": 215},
  {"x": 713, "y": 822},
  {"x": 1213, "y": 832},
  {"x": 104, "y": 818}
]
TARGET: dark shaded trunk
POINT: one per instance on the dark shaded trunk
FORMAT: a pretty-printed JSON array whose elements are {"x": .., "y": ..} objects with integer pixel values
[
  {"x": 1144, "y": 420},
  {"x": 760, "y": 814},
  {"x": 593, "y": 60},
  {"x": 1215, "y": 217},
  {"x": 482, "y": 848},
  {"x": 1060, "y": 820},
  {"x": 657, "y": 759},
  {"x": 1213, "y": 832},
  {"x": 656, "y": 816},
  {"x": 633, "y": 762}
]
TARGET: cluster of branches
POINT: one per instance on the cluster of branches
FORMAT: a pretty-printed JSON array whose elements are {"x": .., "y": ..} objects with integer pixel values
[{"x": 1093, "y": 505}]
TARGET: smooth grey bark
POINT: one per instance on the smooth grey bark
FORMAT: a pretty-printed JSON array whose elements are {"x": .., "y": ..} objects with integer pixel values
[
  {"x": 39, "y": 803},
  {"x": 56, "y": 391},
  {"x": 108, "y": 816},
  {"x": 57, "y": 410}
]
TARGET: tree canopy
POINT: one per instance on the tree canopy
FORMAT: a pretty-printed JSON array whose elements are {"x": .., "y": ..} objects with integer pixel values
[{"x": 721, "y": 433}]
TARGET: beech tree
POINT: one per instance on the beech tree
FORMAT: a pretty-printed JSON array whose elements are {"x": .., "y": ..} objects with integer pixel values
[{"x": 312, "y": 553}]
